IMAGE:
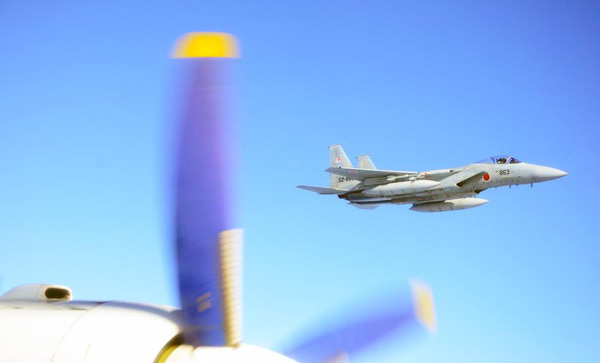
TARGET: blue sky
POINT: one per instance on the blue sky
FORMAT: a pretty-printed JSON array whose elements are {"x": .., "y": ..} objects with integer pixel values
[{"x": 85, "y": 101}]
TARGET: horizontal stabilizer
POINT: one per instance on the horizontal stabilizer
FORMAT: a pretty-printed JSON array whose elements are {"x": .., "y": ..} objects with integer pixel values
[
  {"x": 362, "y": 174},
  {"x": 364, "y": 206},
  {"x": 322, "y": 190}
]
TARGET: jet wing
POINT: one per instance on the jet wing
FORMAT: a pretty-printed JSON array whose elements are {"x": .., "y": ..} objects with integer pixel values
[
  {"x": 362, "y": 174},
  {"x": 322, "y": 190}
]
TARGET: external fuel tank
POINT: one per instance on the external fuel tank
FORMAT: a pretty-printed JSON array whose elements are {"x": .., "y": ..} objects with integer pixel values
[{"x": 448, "y": 205}]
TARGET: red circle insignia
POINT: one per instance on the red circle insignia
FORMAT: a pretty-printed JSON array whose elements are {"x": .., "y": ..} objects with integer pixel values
[{"x": 486, "y": 177}]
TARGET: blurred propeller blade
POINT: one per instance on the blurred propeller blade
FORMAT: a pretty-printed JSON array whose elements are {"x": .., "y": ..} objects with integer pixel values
[
  {"x": 359, "y": 333},
  {"x": 208, "y": 251}
]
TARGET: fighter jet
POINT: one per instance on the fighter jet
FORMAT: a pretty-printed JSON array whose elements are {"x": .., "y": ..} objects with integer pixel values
[{"x": 367, "y": 187}]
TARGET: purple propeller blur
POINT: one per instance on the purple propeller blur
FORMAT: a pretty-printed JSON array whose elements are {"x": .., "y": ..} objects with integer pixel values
[
  {"x": 203, "y": 221},
  {"x": 361, "y": 332},
  {"x": 208, "y": 251}
]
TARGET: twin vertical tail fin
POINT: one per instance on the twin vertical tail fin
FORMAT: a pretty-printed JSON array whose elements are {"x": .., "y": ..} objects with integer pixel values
[
  {"x": 365, "y": 162},
  {"x": 338, "y": 158}
]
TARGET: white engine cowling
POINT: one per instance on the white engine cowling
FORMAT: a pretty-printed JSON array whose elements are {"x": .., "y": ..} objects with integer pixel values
[{"x": 40, "y": 324}]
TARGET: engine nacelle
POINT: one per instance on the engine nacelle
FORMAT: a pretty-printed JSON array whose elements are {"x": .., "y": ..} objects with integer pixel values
[
  {"x": 449, "y": 205},
  {"x": 400, "y": 188},
  {"x": 40, "y": 323}
]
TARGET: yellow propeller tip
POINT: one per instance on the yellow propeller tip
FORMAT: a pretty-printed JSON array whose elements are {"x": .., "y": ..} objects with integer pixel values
[
  {"x": 424, "y": 306},
  {"x": 206, "y": 45}
]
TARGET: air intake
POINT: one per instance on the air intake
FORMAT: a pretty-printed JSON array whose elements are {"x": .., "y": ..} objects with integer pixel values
[
  {"x": 39, "y": 292},
  {"x": 58, "y": 293}
]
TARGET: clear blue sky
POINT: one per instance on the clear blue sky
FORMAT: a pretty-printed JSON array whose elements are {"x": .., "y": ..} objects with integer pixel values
[{"x": 85, "y": 97}]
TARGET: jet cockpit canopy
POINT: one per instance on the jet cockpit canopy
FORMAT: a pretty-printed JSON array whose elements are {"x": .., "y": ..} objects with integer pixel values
[{"x": 499, "y": 159}]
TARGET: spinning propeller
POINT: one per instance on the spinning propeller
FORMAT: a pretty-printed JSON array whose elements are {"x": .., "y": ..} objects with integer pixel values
[{"x": 209, "y": 248}]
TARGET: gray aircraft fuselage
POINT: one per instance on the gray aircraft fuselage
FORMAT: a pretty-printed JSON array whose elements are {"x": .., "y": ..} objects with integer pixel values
[
  {"x": 431, "y": 191},
  {"x": 495, "y": 175}
]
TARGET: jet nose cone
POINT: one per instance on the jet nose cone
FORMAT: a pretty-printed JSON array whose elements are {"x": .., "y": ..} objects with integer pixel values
[
  {"x": 544, "y": 173},
  {"x": 560, "y": 173}
]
